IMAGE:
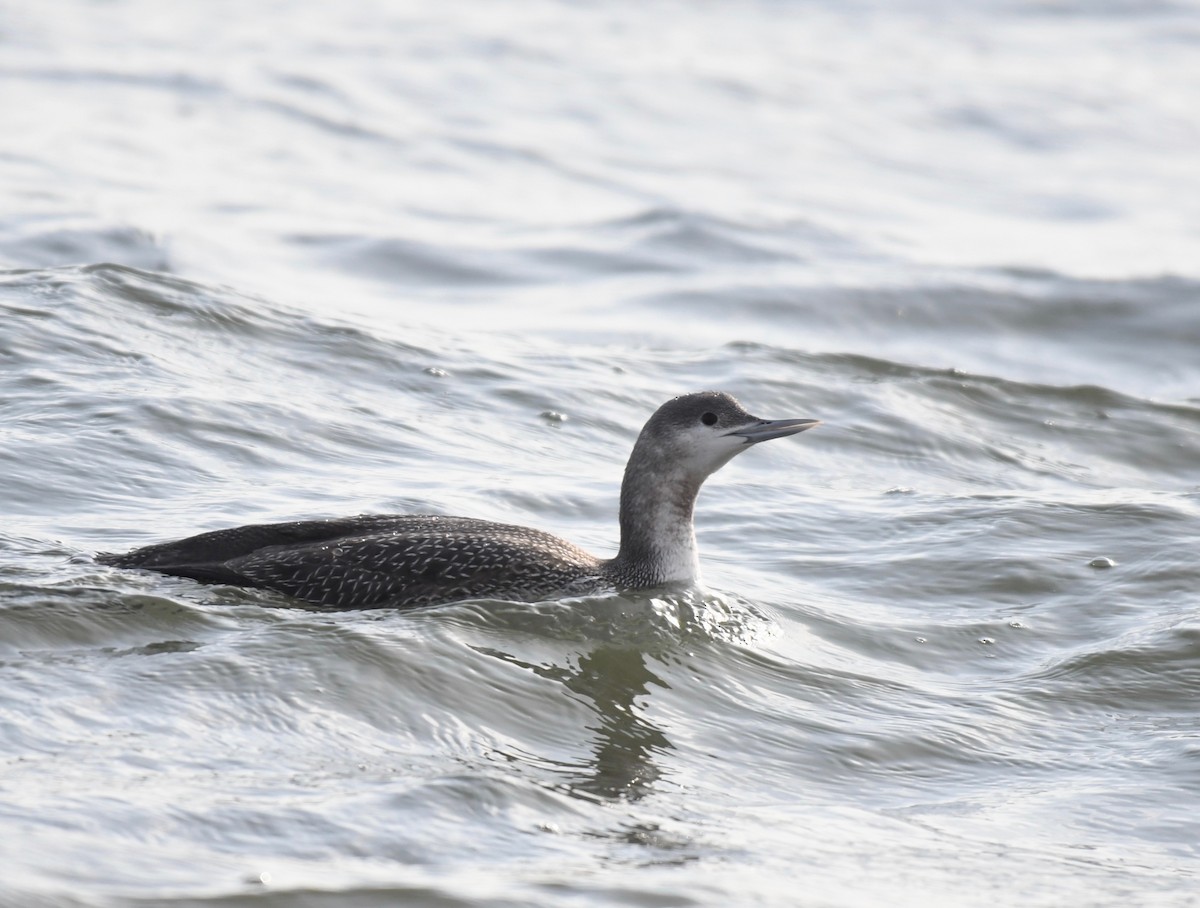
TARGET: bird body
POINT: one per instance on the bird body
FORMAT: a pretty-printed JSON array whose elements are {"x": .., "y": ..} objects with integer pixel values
[{"x": 374, "y": 561}]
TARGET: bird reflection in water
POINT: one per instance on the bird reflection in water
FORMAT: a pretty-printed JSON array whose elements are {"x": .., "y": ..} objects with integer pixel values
[{"x": 623, "y": 766}]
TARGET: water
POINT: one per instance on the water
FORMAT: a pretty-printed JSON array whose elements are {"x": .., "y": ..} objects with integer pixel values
[{"x": 294, "y": 260}]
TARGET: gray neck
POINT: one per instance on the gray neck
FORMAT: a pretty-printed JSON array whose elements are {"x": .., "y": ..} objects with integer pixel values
[{"x": 658, "y": 542}]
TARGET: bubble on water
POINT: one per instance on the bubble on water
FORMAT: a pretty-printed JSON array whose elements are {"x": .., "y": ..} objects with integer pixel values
[
  {"x": 436, "y": 372},
  {"x": 1016, "y": 624},
  {"x": 554, "y": 416},
  {"x": 987, "y": 641},
  {"x": 920, "y": 639},
  {"x": 1102, "y": 563}
]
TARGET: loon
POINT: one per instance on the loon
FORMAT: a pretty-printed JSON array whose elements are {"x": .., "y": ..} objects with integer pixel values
[{"x": 406, "y": 561}]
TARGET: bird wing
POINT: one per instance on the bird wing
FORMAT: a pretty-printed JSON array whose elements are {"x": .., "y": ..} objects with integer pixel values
[
  {"x": 407, "y": 569},
  {"x": 219, "y": 546}
]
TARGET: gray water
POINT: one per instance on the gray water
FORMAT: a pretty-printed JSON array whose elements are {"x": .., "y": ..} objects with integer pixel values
[{"x": 284, "y": 260}]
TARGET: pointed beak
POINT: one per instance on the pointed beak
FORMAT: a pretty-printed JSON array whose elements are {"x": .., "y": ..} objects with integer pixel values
[{"x": 766, "y": 429}]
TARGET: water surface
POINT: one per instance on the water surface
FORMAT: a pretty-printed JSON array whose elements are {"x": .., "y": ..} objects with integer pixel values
[{"x": 295, "y": 260}]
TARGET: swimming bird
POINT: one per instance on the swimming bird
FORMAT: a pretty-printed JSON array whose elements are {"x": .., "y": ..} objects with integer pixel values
[{"x": 405, "y": 561}]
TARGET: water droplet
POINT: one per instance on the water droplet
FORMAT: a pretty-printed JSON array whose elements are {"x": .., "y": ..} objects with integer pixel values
[{"x": 1101, "y": 564}]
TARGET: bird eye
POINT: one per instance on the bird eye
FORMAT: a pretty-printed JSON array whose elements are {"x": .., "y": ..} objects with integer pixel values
[{"x": 709, "y": 419}]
